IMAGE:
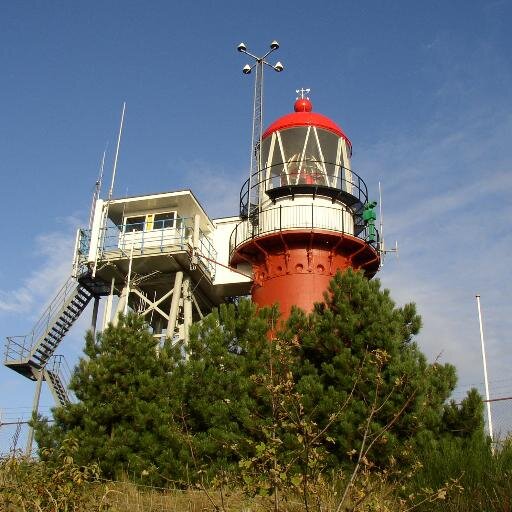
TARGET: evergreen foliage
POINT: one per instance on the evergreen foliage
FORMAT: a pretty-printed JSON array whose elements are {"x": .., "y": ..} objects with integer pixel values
[
  {"x": 343, "y": 386},
  {"x": 124, "y": 416},
  {"x": 338, "y": 343}
]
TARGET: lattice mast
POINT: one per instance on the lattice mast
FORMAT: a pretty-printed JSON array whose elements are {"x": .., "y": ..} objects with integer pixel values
[{"x": 251, "y": 208}]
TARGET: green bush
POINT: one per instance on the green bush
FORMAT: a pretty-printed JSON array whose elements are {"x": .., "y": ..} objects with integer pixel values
[{"x": 485, "y": 478}]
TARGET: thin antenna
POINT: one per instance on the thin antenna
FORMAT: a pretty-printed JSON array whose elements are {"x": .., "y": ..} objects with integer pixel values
[
  {"x": 382, "y": 250},
  {"x": 111, "y": 190},
  {"x": 489, "y": 416},
  {"x": 381, "y": 222},
  {"x": 103, "y": 230},
  {"x": 97, "y": 187}
]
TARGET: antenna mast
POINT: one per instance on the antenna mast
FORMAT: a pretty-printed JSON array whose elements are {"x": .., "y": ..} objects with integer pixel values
[
  {"x": 382, "y": 248},
  {"x": 257, "y": 121},
  {"x": 111, "y": 190},
  {"x": 97, "y": 187}
]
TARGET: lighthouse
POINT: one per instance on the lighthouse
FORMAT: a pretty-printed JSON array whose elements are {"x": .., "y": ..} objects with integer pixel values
[{"x": 305, "y": 212}]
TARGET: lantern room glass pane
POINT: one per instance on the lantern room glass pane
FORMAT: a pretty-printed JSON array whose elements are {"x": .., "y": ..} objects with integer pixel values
[{"x": 303, "y": 158}]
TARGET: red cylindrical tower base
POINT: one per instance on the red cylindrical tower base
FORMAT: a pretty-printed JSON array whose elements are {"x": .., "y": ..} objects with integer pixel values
[{"x": 295, "y": 267}]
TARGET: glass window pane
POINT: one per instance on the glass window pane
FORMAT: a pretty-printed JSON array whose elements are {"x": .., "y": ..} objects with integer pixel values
[
  {"x": 135, "y": 223},
  {"x": 164, "y": 220}
]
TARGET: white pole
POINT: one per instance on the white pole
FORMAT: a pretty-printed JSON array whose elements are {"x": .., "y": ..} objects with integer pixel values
[
  {"x": 97, "y": 189},
  {"x": 381, "y": 218},
  {"x": 107, "y": 313},
  {"x": 111, "y": 190},
  {"x": 489, "y": 417},
  {"x": 129, "y": 277}
]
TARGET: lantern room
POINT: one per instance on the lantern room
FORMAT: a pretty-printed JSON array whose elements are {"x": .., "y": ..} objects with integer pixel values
[{"x": 303, "y": 152}]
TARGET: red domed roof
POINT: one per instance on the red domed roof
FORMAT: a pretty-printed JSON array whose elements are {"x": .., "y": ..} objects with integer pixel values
[{"x": 303, "y": 116}]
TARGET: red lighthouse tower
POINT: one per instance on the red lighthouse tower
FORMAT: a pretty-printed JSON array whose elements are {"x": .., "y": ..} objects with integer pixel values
[{"x": 310, "y": 216}]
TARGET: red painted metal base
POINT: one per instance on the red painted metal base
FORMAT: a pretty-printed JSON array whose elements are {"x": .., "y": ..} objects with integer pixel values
[{"x": 295, "y": 267}]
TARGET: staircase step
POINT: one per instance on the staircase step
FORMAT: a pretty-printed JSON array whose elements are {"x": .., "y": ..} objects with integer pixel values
[
  {"x": 83, "y": 298},
  {"x": 41, "y": 359},
  {"x": 73, "y": 309},
  {"x": 61, "y": 325},
  {"x": 44, "y": 353},
  {"x": 54, "y": 337},
  {"x": 68, "y": 317},
  {"x": 56, "y": 331}
]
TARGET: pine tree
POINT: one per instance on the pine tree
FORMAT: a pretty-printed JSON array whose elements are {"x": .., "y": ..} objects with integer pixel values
[
  {"x": 221, "y": 404},
  {"x": 359, "y": 342},
  {"x": 124, "y": 418}
]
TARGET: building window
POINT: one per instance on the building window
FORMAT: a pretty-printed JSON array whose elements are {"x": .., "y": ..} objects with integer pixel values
[
  {"x": 164, "y": 220},
  {"x": 134, "y": 223}
]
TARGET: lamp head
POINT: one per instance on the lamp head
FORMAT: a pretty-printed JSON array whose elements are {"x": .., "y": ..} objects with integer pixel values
[
  {"x": 241, "y": 47},
  {"x": 246, "y": 69},
  {"x": 278, "y": 67},
  {"x": 274, "y": 45}
]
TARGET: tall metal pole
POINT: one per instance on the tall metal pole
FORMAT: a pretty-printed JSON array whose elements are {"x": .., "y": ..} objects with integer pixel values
[
  {"x": 257, "y": 119},
  {"x": 257, "y": 129},
  {"x": 487, "y": 398}
]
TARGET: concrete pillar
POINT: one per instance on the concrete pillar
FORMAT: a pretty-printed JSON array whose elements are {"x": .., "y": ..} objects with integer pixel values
[
  {"x": 187, "y": 308},
  {"x": 123, "y": 299},
  {"x": 175, "y": 302},
  {"x": 107, "y": 314},
  {"x": 157, "y": 333},
  {"x": 195, "y": 242}
]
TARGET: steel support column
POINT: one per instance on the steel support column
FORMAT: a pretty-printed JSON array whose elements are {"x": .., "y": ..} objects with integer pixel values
[
  {"x": 94, "y": 319},
  {"x": 35, "y": 409}
]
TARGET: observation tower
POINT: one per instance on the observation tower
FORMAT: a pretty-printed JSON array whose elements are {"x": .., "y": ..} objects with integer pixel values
[{"x": 305, "y": 213}]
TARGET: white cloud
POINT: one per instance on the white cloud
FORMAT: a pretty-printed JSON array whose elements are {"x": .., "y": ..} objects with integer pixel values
[
  {"x": 447, "y": 190},
  {"x": 55, "y": 251},
  {"x": 217, "y": 189}
]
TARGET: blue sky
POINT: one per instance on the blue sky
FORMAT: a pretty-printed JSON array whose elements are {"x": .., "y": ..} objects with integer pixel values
[{"x": 423, "y": 90}]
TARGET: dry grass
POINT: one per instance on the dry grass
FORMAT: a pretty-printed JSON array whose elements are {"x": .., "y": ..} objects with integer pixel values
[{"x": 121, "y": 497}]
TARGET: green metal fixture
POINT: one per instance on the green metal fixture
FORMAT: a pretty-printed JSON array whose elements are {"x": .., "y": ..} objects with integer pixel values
[{"x": 369, "y": 218}]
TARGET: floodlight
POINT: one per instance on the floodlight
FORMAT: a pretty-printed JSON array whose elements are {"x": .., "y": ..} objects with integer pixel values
[
  {"x": 278, "y": 67},
  {"x": 241, "y": 47},
  {"x": 246, "y": 70},
  {"x": 274, "y": 45}
]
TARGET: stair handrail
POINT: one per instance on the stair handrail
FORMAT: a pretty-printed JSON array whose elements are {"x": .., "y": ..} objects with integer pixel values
[
  {"x": 58, "y": 365},
  {"x": 55, "y": 306},
  {"x": 16, "y": 350}
]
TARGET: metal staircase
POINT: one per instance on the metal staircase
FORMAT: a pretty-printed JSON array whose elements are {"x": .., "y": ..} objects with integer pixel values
[
  {"x": 30, "y": 353},
  {"x": 56, "y": 374}
]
